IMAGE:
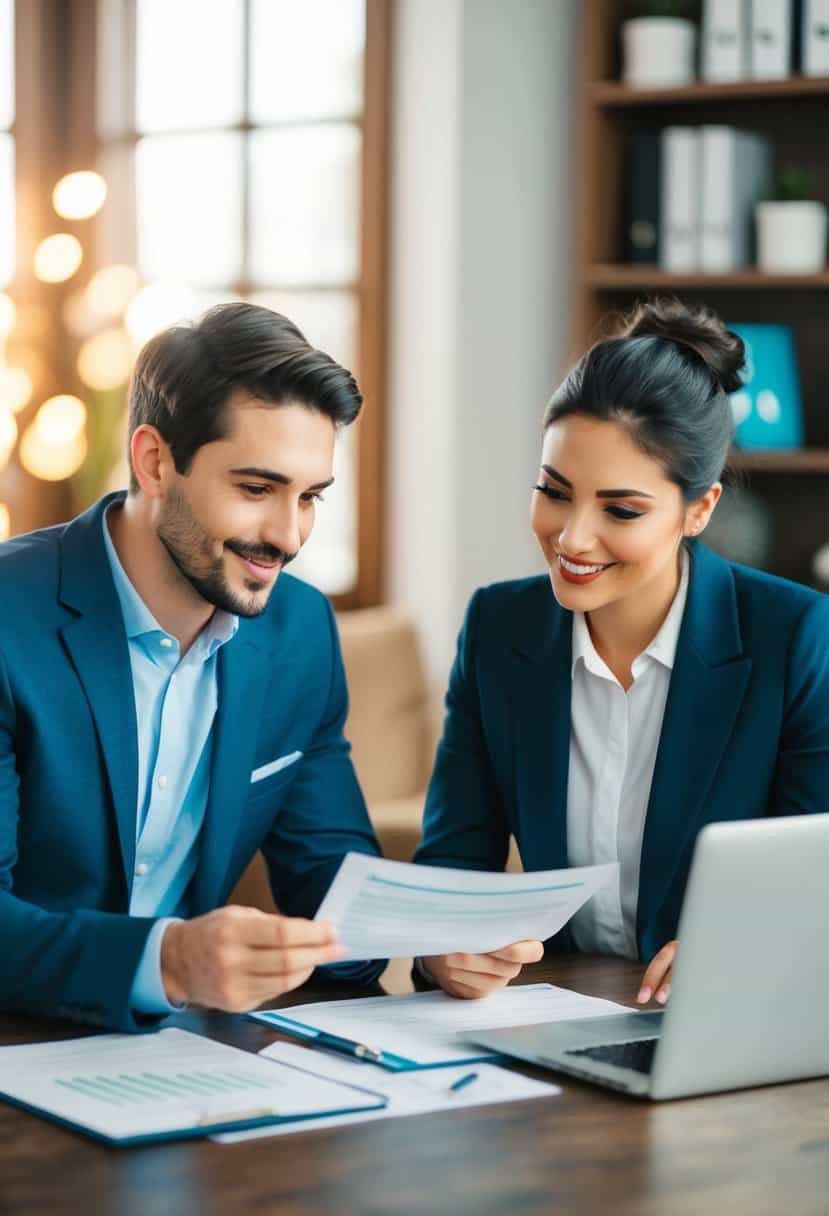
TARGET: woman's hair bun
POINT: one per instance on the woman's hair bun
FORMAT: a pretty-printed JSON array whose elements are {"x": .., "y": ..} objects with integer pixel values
[{"x": 695, "y": 327}]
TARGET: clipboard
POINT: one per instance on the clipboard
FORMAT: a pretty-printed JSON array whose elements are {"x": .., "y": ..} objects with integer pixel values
[
  {"x": 368, "y": 1053},
  {"x": 125, "y": 1090}
]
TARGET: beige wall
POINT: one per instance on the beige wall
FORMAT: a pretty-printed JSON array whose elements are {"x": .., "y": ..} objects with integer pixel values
[{"x": 482, "y": 148}]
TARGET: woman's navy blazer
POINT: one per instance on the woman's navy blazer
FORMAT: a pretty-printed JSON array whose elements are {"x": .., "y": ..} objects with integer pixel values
[{"x": 745, "y": 732}]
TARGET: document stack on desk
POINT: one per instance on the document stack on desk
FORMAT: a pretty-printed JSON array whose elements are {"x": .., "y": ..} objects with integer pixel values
[
  {"x": 414, "y": 1093},
  {"x": 170, "y": 1085},
  {"x": 389, "y": 909},
  {"x": 427, "y": 1029}
]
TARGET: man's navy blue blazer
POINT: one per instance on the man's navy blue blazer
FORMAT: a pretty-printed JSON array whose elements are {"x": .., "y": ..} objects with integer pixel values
[
  {"x": 745, "y": 732},
  {"x": 69, "y": 772}
]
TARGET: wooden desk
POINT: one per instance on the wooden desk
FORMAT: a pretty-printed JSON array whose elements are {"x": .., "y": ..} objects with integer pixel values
[{"x": 759, "y": 1152}]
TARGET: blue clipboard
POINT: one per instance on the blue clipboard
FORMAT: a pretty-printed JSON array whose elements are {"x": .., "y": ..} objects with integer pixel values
[{"x": 315, "y": 1037}]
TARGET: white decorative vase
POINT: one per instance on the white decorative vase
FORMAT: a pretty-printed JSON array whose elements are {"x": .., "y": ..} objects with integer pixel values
[
  {"x": 791, "y": 237},
  {"x": 658, "y": 52}
]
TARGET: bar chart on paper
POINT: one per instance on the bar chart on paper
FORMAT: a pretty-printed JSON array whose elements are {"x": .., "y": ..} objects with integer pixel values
[
  {"x": 125, "y": 1088},
  {"x": 128, "y": 1089}
]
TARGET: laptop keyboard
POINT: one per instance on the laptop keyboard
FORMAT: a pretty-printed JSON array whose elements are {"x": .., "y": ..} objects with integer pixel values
[{"x": 637, "y": 1055}]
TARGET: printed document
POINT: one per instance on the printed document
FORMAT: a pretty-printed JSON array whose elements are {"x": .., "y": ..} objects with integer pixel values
[
  {"x": 389, "y": 909},
  {"x": 125, "y": 1088},
  {"x": 432, "y": 1028},
  {"x": 412, "y": 1093}
]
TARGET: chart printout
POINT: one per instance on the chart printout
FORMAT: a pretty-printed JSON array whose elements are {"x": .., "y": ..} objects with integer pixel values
[{"x": 390, "y": 909}]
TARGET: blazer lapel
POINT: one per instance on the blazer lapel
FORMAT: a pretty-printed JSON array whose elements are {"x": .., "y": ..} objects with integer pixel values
[
  {"x": 97, "y": 645},
  {"x": 540, "y": 712},
  {"x": 707, "y": 687},
  {"x": 244, "y": 671}
]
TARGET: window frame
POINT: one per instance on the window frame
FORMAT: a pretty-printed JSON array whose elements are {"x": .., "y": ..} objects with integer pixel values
[{"x": 62, "y": 38}]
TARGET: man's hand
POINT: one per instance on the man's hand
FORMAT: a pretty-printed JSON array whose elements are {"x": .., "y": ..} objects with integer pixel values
[
  {"x": 476, "y": 975},
  {"x": 657, "y": 979},
  {"x": 236, "y": 958}
]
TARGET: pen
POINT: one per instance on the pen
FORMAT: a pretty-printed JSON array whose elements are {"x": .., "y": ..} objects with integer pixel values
[
  {"x": 462, "y": 1082},
  {"x": 348, "y": 1047}
]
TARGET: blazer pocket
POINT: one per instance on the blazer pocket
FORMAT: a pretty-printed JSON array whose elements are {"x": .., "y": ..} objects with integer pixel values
[{"x": 275, "y": 766}]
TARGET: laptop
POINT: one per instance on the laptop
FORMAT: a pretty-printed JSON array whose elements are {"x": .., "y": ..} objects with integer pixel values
[{"x": 749, "y": 1000}]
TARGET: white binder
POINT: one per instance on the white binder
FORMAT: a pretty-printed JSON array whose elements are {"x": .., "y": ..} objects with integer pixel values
[
  {"x": 679, "y": 241},
  {"x": 735, "y": 174},
  {"x": 816, "y": 38},
  {"x": 771, "y": 39},
  {"x": 725, "y": 40}
]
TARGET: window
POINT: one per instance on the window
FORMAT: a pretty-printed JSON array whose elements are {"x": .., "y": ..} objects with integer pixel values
[
  {"x": 245, "y": 155},
  {"x": 7, "y": 224}
]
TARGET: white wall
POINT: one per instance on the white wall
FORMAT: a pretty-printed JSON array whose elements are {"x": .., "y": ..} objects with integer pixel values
[{"x": 482, "y": 165}]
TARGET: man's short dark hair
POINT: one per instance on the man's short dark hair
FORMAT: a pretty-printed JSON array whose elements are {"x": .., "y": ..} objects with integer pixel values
[{"x": 184, "y": 377}]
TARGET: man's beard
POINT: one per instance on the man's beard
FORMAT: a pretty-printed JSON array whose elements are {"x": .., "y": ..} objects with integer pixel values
[{"x": 194, "y": 556}]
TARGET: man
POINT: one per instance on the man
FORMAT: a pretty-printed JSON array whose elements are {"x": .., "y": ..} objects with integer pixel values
[{"x": 170, "y": 702}]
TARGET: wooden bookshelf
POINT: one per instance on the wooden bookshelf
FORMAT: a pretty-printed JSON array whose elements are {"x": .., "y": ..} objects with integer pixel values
[
  {"x": 807, "y": 460},
  {"x": 612, "y": 94},
  {"x": 794, "y": 115},
  {"x": 618, "y": 276}
]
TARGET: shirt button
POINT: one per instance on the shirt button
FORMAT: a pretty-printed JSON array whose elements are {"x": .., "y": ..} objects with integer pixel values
[
  {"x": 166, "y": 643},
  {"x": 162, "y": 781},
  {"x": 141, "y": 869}
]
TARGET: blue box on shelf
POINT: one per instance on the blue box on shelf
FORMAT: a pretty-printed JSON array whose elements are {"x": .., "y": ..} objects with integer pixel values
[{"x": 767, "y": 409}]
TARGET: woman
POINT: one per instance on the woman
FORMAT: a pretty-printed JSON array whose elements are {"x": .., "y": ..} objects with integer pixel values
[{"x": 656, "y": 689}]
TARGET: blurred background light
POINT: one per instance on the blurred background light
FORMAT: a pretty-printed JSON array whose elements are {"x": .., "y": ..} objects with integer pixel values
[
  {"x": 111, "y": 289},
  {"x": 51, "y": 461},
  {"x": 5, "y": 522},
  {"x": 77, "y": 196},
  {"x": 155, "y": 307},
  {"x": 57, "y": 257},
  {"x": 8, "y": 314},
  {"x": 15, "y": 389},
  {"x": 78, "y": 315},
  {"x": 60, "y": 419},
  {"x": 54, "y": 446},
  {"x": 8, "y": 436},
  {"x": 105, "y": 360}
]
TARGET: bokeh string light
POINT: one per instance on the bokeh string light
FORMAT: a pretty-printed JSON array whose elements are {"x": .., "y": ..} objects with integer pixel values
[{"x": 78, "y": 196}]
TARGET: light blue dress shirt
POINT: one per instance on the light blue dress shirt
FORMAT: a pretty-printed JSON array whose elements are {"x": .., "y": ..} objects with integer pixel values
[{"x": 175, "y": 704}]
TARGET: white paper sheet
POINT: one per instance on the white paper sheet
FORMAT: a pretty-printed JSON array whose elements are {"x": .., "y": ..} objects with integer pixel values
[
  {"x": 433, "y": 1028},
  {"x": 389, "y": 909},
  {"x": 127, "y": 1086},
  {"x": 412, "y": 1093}
]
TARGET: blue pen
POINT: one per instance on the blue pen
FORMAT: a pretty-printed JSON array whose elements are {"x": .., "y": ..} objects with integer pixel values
[
  {"x": 348, "y": 1047},
  {"x": 462, "y": 1082}
]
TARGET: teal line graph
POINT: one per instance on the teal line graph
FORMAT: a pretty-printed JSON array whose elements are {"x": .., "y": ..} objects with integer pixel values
[
  {"x": 410, "y": 886},
  {"x": 129, "y": 1088}
]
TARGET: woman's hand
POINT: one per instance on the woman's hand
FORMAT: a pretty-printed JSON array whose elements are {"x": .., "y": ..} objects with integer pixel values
[
  {"x": 657, "y": 979},
  {"x": 477, "y": 975}
]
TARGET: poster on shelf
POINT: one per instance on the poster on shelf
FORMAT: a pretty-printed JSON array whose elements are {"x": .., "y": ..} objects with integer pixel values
[{"x": 767, "y": 408}]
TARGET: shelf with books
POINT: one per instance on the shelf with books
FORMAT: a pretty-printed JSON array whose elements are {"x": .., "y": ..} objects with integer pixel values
[
  {"x": 610, "y": 94},
  {"x": 791, "y": 117}
]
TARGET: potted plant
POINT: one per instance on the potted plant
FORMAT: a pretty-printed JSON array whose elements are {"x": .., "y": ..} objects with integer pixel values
[
  {"x": 658, "y": 47},
  {"x": 791, "y": 225}
]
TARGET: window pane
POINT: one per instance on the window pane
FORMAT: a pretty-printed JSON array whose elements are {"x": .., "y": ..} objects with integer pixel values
[
  {"x": 6, "y": 210},
  {"x": 6, "y": 63},
  {"x": 189, "y": 64},
  {"x": 329, "y": 557},
  {"x": 304, "y": 206},
  {"x": 327, "y": 318},
  {"x": 306, "y": 59},
  {"x": 189, "y": 206}
]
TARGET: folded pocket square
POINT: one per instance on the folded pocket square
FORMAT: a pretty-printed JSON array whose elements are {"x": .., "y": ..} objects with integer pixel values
[{"x": 268, "y": 770}]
